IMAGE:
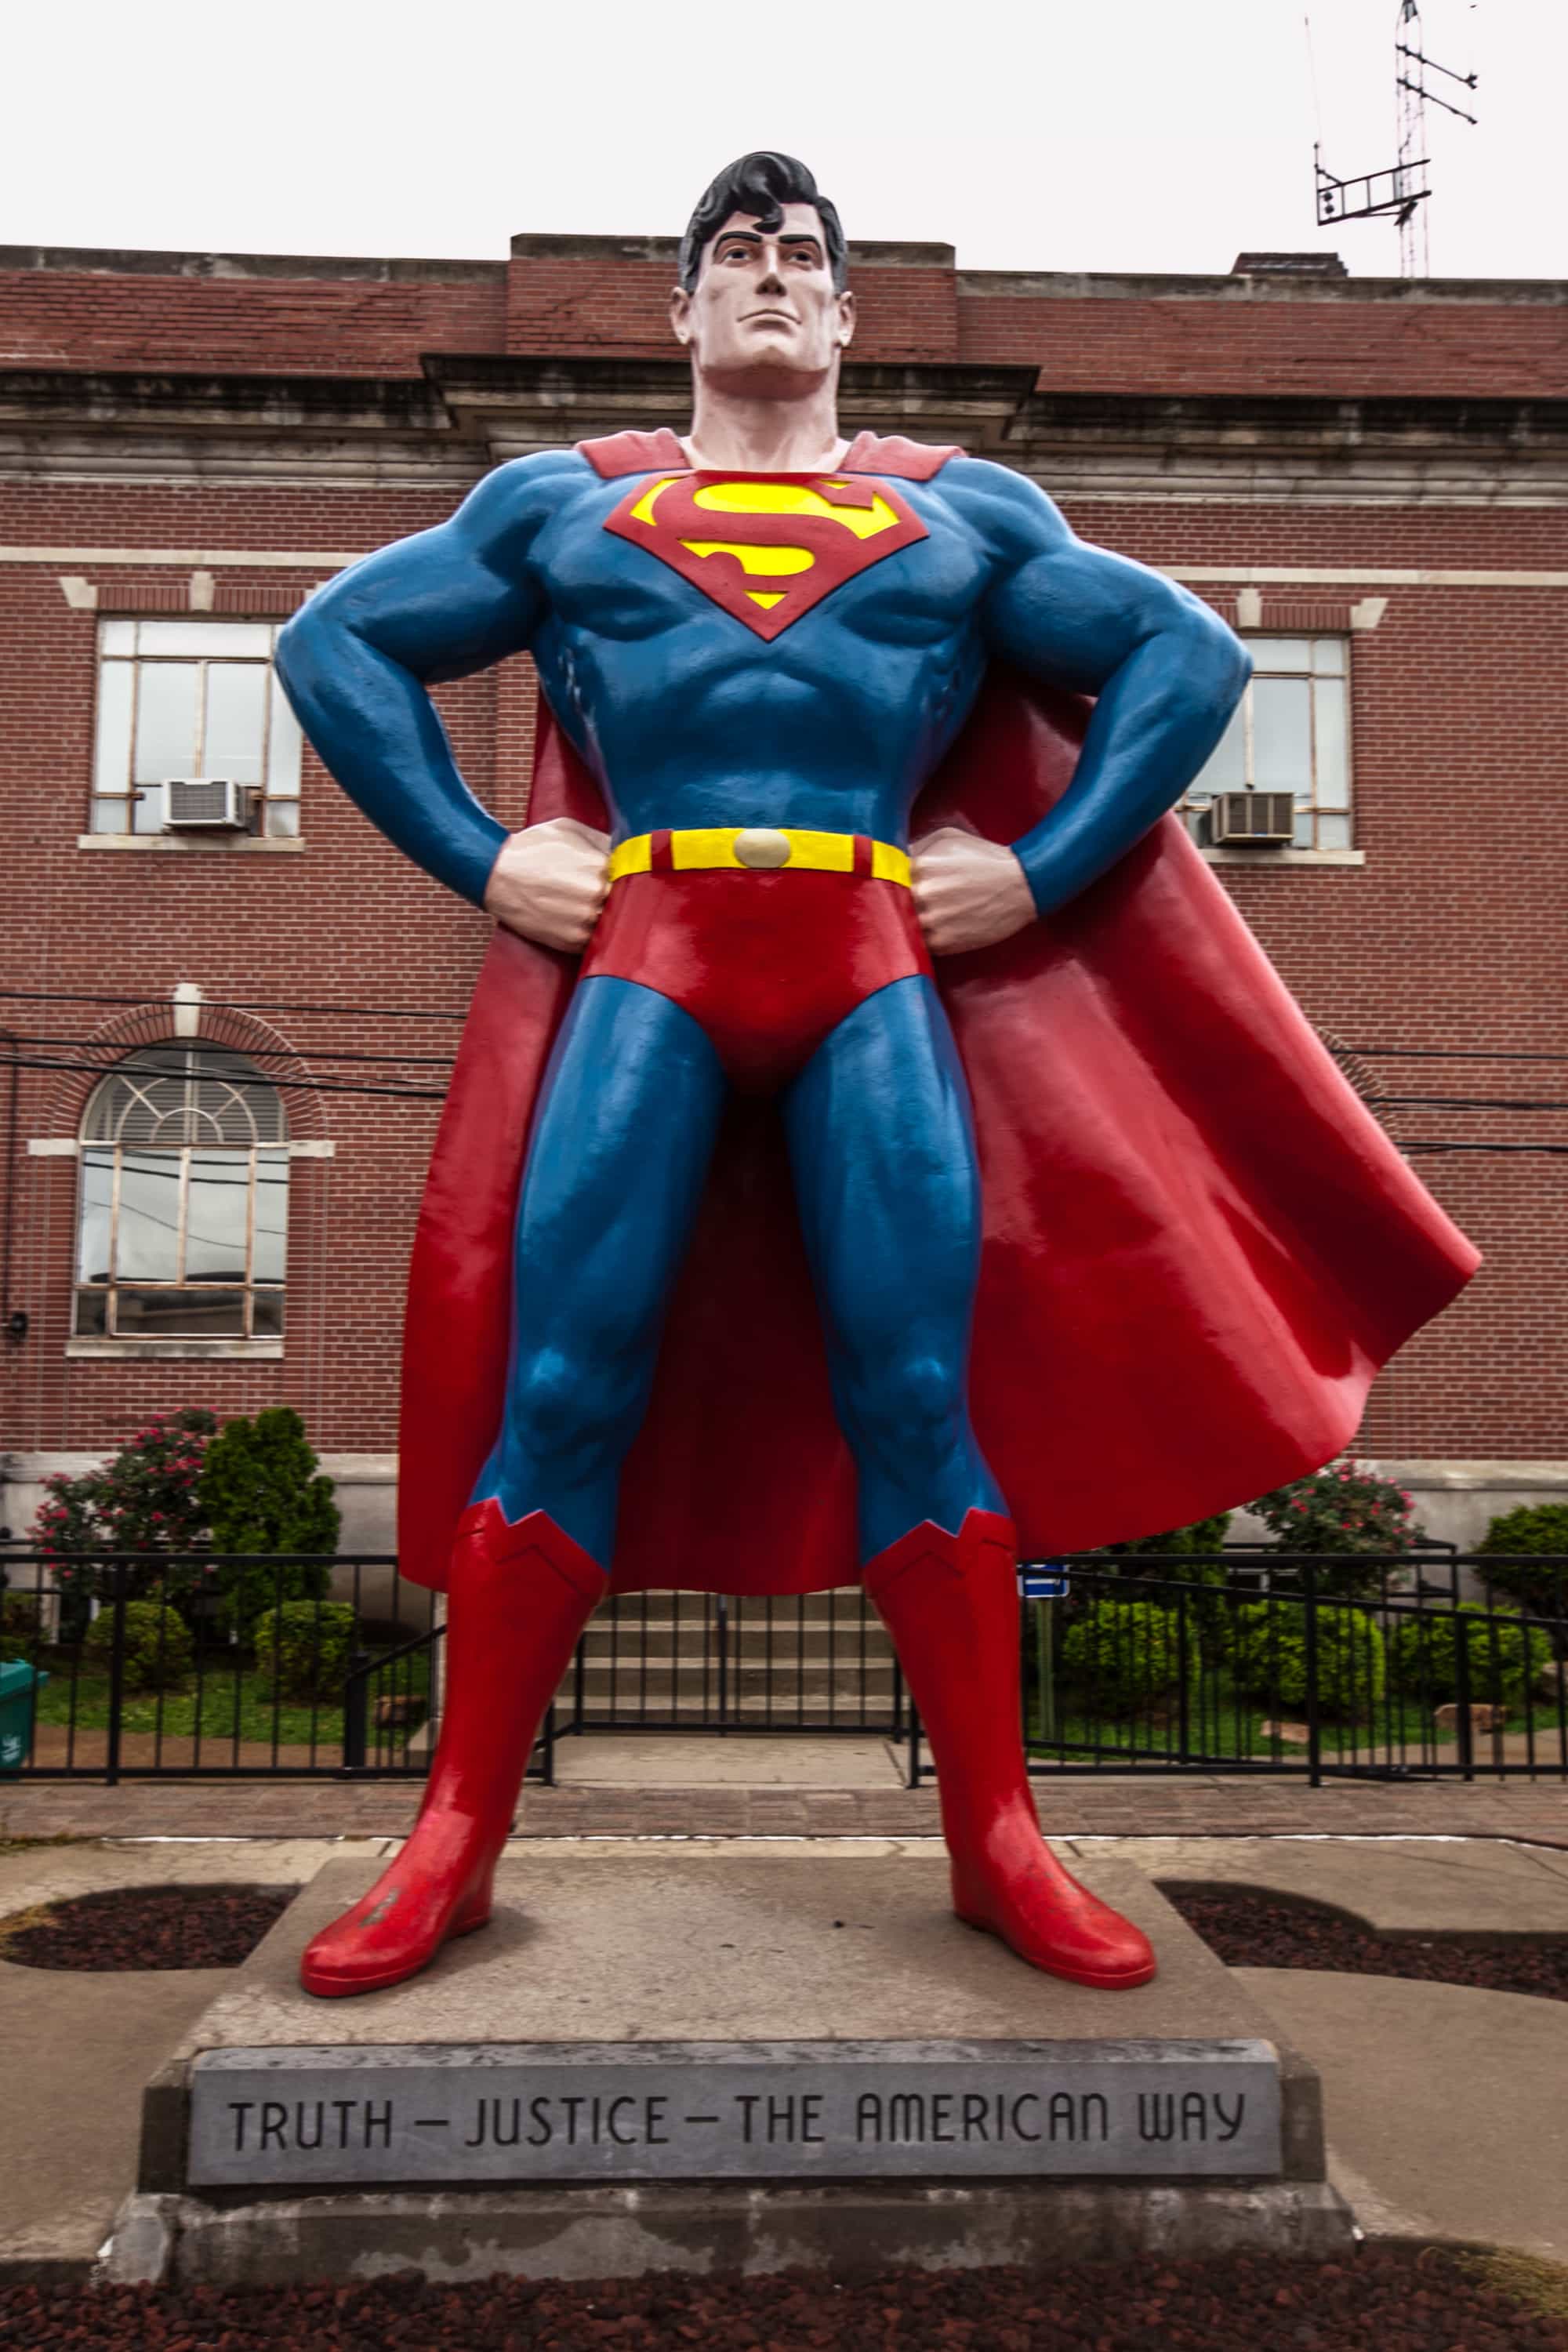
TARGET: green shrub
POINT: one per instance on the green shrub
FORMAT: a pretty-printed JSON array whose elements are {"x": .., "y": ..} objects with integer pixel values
[
  {"x": 1502, "y": 1654},
  {"x": 157, "y": 1654},
  {"x": 1268, "y": 1657},
  {"x": 1204, "y": 1535},
  {"x": 304, "y": 1648},
  {"x": 1543, "y": 1528},
  {"x": 19, "y": 1626},
  {"x": 262, "y": 1492},
  {"x": 1125, "y": 1655}
]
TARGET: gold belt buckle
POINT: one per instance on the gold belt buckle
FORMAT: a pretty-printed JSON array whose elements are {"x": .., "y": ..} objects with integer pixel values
[{"x": 763, "y": 845}]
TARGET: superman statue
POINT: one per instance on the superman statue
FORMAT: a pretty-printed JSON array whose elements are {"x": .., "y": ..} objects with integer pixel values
[{"x": 876, "y": 1138}]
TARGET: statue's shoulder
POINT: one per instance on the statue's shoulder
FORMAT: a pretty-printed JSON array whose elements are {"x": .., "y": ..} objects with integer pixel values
[
  {"x": 892, "y": 455},
  {"x": 1007, "y": 509},
  {"x": 889, "y": 454},
  {"x": 510, "y": 504},
  {"x": 634, "y": 453}
]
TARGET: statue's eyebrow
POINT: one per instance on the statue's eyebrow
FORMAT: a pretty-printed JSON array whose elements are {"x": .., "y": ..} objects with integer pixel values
[{"x": 786, "y": 237}]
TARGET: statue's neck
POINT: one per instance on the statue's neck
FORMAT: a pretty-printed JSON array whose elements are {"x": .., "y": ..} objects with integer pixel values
[{"x": 734, "y": 434}]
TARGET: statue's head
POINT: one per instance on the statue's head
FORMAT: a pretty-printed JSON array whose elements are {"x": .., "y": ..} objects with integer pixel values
[{"x": 762, "y": 303}]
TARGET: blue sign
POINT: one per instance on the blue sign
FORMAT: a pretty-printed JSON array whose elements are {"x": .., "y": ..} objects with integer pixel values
[{"x": 1041, "y": 1580}]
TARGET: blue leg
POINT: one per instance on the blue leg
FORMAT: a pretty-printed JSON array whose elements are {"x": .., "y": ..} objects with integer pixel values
[
  {"x": 883, "y": 1153},
  {"x": 616, "y": 1169}
]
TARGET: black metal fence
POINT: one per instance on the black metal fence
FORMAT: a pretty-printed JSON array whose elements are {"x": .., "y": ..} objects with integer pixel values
[
  {"x": 227, "y": 1665},
  {"x": 1395, "y": 1668},
  {"x": 815, "y": 1662}
]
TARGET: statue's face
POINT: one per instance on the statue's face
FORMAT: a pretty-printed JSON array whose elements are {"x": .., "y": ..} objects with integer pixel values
[{"x": 764, "y": 319}]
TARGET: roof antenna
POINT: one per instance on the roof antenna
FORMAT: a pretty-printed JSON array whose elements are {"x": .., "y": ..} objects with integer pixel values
[{"x": 1404, "y": 190}]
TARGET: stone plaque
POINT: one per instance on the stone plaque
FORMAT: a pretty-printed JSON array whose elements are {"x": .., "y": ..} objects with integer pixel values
[{"x": 469, "y": 2113}]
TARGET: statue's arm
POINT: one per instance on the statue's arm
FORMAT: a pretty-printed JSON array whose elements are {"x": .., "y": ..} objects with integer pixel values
[
  {"x": 356, "y": 662},
  {"x": 1167, "y": 671}
]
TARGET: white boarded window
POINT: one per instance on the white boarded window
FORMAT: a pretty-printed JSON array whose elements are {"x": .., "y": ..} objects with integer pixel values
[
  {"x": 191, "y": 698},
  {"x": 1290, "y": 733},
  {"x": 183, "y": 1208}
]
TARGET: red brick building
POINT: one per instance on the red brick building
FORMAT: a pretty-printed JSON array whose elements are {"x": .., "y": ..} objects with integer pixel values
[{"x": 1369, "y": 478}]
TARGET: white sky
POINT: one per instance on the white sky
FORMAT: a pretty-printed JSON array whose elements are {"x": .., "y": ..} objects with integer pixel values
[{"x": 1056, "y": 135}]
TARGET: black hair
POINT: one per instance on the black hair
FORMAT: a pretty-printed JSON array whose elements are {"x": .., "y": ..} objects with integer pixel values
[{"x": 760, "y": 185}]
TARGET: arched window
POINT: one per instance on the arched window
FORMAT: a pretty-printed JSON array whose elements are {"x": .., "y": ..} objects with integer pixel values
[{"x": 183, "y": 1216}]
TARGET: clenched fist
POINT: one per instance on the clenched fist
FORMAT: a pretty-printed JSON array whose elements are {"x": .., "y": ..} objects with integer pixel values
[
  {"x": 969, "y": 893},
  {"x": 549, "y": 882}
]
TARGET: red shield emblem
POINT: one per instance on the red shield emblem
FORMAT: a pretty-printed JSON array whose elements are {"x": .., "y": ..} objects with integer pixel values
[{"x": 767, "y": 550}]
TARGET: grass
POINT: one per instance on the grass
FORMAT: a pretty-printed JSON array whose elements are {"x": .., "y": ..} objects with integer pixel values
[
  {"x": 1223, "y": 1724},
  {"x": 220, "y": 1705}
]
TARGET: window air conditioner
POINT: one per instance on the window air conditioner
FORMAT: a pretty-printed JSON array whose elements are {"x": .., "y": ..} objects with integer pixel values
[
  {"x": 215, "y": 804},
  {"x": 1252, "y": 820}
]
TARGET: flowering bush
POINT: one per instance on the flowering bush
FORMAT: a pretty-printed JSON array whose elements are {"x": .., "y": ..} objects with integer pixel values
[
  {"x": 145, "y": 1500},
  {"x": 1345, "y": 1508}
]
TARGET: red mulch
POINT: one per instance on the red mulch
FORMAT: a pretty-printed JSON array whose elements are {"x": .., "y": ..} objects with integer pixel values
[
  {"x": 1381, "y": 2300},
  {"x": 202, "y": 1926},
  {"x": 1249, "y": 1929}
]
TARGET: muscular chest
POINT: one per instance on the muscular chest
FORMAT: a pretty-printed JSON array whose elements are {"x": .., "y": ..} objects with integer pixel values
[{"x": 758, "y": 570}]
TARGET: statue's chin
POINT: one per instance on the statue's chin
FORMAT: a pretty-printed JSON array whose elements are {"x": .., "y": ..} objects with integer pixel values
[{"x": 770, "y": 373}]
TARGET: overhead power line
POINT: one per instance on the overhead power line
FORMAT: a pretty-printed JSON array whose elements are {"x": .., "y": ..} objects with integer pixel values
[
  {"x": 252, "y": 1053},
  {"x": 298, "y": 1085},
  {"x": 226, "y": 1004},
  {"x": 145, "y": 1001}
]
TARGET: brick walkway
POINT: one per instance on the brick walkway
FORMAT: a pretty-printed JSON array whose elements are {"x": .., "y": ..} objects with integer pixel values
[{"x": 1535, "y": 1813}]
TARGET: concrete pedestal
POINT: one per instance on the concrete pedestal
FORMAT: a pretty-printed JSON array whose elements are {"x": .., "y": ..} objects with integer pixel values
[{"x": 722, "y": 2059}]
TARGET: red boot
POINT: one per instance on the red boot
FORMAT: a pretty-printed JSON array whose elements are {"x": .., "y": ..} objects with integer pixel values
[
  {"x": 518, "y": 1598},
  {"x": 951, "y": 1603}
]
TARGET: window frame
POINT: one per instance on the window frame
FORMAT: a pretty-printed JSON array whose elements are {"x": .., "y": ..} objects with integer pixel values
[
  {"x": 196, "y": 1061},
  {"x": 275, "y": 799},
  {"x": 1316, "y": 820}
]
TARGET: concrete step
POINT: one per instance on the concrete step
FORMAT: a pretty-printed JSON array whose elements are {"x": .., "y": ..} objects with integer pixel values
[{"x": 756, "y": 1645}]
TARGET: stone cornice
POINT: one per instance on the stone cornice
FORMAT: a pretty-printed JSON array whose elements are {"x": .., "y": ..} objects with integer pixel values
[
  {"x": 1293, "y": 447},
  {"x": 529, "y": 402},
  {"x": 468, "y": 410}
]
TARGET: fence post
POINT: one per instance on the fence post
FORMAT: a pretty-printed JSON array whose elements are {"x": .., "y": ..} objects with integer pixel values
[
  {"x": 1183, "y": 1708},
  {"x": 356, "y": 1713},
  {"x": 1464, "y": 1729},
  {"x": 1314, "y": 1726},
  {"x": 116, "y": 1673},
  {"x": 913, "y": 1780}
]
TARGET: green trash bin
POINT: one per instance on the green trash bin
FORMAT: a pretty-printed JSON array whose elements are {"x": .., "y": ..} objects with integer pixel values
[{"x": 19, "y": 1684}]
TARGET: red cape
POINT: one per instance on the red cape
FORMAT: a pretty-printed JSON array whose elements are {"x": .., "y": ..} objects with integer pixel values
[{"x": 1199, "y": 1247}]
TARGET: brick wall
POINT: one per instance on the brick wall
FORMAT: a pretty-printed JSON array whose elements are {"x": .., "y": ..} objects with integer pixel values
[{"x": 1450, "y": 935}]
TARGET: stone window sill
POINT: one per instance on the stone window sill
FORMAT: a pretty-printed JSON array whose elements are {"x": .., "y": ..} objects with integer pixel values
[
  {"x": 248, "y": 1352},
  {"x": 1230, "y": 856},
  {"x": 224, "y": 844}
]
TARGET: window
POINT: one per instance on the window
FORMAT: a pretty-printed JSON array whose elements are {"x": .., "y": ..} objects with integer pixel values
[
  {"x": 191, "y": 698},
  {"x": 1291, "y": 734},
  {"x": 183, "y": 1216}
]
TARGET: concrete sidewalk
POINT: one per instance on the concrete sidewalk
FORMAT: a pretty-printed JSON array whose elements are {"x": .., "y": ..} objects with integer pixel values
[
  {"x": 1447, "y": 2108},
  {"x": 788, "y": 1787}
]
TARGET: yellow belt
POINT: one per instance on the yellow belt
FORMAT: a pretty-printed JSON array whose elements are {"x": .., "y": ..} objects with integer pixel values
[{"x": 763, "y": 849}]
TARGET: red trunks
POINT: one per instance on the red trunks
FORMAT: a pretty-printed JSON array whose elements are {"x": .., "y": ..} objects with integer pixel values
[{"x": 768, "y": 963}]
